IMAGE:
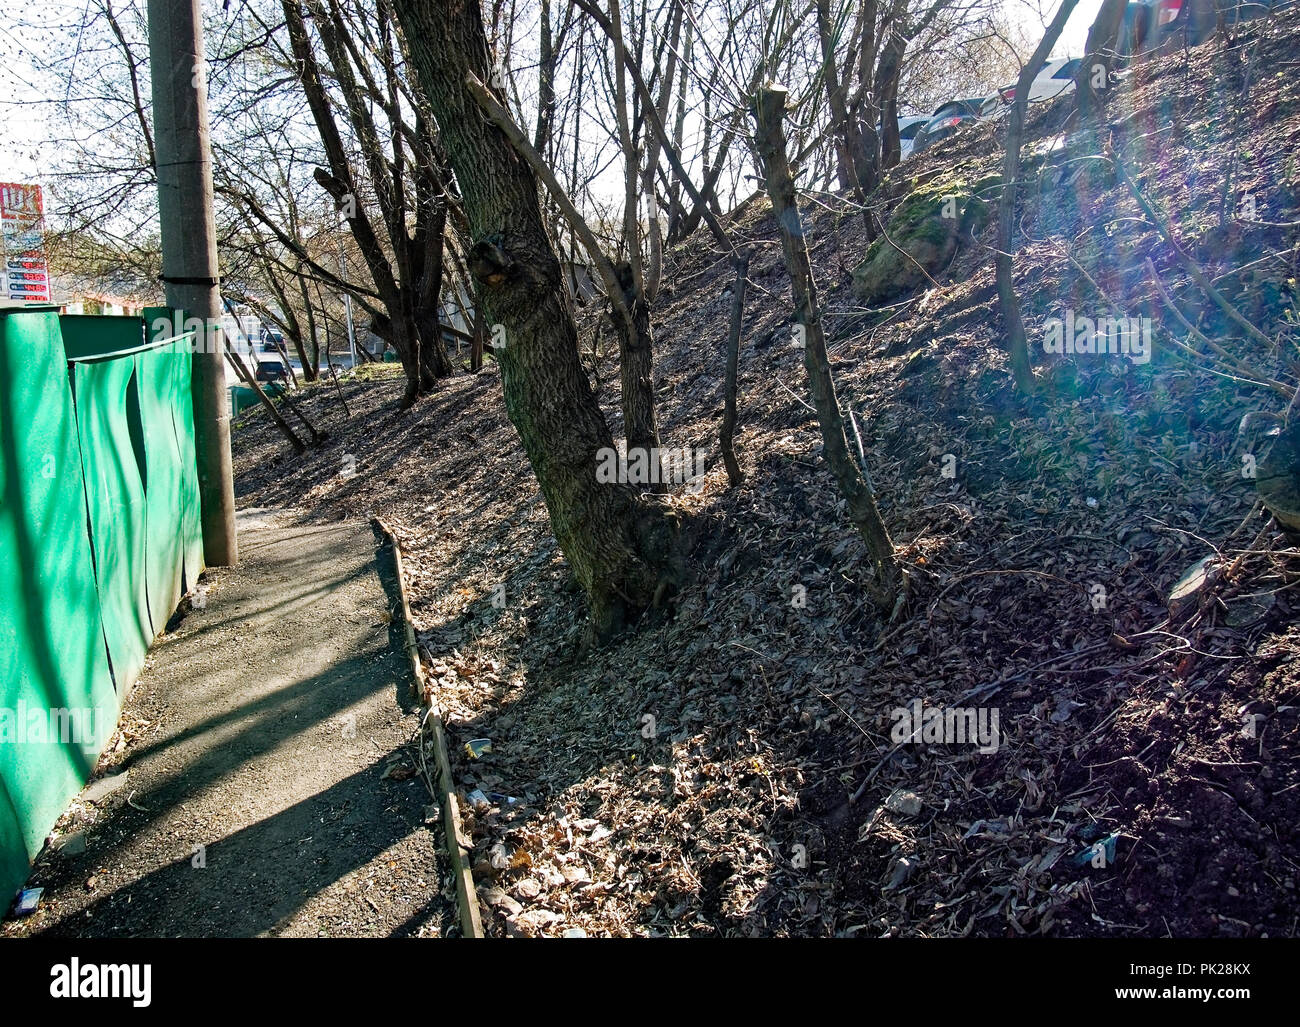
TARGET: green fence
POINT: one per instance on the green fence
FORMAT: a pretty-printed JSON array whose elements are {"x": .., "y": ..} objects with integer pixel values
[
  {"x": 241, "y": 398},
  {"x": 99, "y": 538}
]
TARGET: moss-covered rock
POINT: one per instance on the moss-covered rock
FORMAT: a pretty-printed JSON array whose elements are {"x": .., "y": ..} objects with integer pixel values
[{"x": 922, "y": 235}]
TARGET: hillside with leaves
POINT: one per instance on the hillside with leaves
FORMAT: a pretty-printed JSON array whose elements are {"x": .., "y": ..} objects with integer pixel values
[{"x": 727, "y": 768}]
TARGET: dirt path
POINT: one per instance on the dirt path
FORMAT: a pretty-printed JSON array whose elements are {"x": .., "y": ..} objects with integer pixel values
[{"x": 269, "y": 790}]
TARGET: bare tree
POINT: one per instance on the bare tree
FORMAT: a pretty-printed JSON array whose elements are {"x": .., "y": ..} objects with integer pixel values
[
  {"x": 1013, "y": 325},
  {"x": 769, "y": 114},
  {"x": 622, "y": 550},
  {"x": 1092, "y": 80},
  {"x": 864, "y": 46},
  {"x": 409, "y": 283}
]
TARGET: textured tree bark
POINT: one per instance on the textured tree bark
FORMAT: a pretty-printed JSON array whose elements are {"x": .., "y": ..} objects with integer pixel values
[
  {"x": 1092, "y": 80},
  {"x": 636, "y": 372},
  {"x": 622, "y": 551},
  {"x": 630, "y": 311},
  {"x": 769, "y": 111},
  {"x": 405, "y": 338}
]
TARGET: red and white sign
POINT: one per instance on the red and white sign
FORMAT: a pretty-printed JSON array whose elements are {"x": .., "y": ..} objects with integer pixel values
[{"x": 26, "y": 276}]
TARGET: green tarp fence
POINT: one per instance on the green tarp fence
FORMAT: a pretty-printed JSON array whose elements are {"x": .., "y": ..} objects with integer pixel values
[{"x": 99, "y": 539}]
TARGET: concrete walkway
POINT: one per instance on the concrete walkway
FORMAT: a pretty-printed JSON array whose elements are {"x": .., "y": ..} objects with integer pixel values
[{"x": 268, "y": 787}]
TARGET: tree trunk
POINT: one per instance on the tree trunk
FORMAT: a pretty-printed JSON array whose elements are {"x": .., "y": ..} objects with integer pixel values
[
  {"x": 635, "y": 359},
  {"x": 769, "y": 111},
  {"x": 401, "y": 333},
  {"x": 396, "y": 289},
  {"x": 308, "y": 366},
  {"x": 708, "y": 197},
  {"x": 844, "y": 126},
  {"x": 545, "y": 85},
  {"x": 726, "y": 435},
  {"x": 891, "y": 146},
  {"x": 432, "y": 250},
  {"x": 1092, "y": 81},
  {"x": 622, "y": 550},
  {"x": 675, "y": 212},
  {"x": 623, "y": 288},
  {"x": 434, "y": 362},
  {"x": 635, "y": 341},
  {"x": 480, "y": 330},
  {"x": 1013, "y": 324},
  {"x": 654, "y": 274}
]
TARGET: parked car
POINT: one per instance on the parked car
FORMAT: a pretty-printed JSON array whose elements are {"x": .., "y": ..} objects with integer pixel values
[
  {"x": 1055, "y": 78},
  {"x": 271, "y": 371},
  {"x": 994, "y": 105},
  {"x": 908, "y": 129},
  {"x": 946, "y": 120},
  {"x": 1149, "y": 24}
]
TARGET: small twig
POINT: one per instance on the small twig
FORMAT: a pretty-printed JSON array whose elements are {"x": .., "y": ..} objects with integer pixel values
[
  {"x": 787, "y": 388},
  {"x": 338, "y": 388},
  {"x": 873, "y": 771}
]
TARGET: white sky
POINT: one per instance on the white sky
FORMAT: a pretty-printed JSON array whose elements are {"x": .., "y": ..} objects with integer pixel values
[{"x": 1075, "y": 35}]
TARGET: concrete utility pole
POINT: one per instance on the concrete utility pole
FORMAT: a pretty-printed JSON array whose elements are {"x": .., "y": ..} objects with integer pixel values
[
  {"x": 347, "y": 300},
  {"x": 189, "y": 249}
]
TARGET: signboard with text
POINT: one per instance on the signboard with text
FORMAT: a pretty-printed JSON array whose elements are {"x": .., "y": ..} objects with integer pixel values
[{"x": 22, "y": 244}]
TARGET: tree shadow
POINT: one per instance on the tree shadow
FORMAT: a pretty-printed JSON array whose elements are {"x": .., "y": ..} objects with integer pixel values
[{"x": 255, "y": 879}]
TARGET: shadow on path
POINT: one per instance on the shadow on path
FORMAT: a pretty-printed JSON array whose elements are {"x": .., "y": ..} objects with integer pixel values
[{"x": 267, "y": 787}]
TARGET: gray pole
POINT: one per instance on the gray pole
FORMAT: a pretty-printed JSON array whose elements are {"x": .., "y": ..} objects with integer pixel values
[
  {"x": 352, "y": 335},
  {"x": 189, "y": 249},
  {"x": 347, "y": 303}
]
